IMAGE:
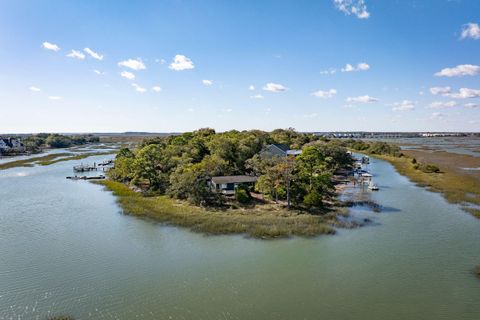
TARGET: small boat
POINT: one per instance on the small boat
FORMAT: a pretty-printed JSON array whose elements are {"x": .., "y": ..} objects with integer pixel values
[{"x": 372, "y": 186}]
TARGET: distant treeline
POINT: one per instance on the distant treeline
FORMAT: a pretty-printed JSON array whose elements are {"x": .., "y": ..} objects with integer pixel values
[{"x": 38, "y": 141}]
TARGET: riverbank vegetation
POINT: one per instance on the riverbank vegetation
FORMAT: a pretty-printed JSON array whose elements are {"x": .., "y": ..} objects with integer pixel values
[
  {"x": 299, "y": 190},
  {"x": 264, "y": 221},
  {"x": 438, "y": 171},
  {"x": 50, "y": 159}
]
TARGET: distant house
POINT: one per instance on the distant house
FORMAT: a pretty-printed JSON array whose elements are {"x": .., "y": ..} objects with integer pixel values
[
  {"x": 11, "y": 145},
  {"x": 228, "y": 184},
  {"x": 279, "y": 150}
]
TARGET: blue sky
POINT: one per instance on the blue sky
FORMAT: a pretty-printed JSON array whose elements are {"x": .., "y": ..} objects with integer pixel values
[{"x": 346, "y": 65}]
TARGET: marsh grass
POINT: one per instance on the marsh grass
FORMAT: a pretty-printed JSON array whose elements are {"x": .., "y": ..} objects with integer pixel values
[
  {"x": 31, "y": 161},
  {"x": 265, "y": 222},
  {"x": 74, "y": 157},
  {"x": 477, "y": 270},
  {"x": 456, "y": 187}
]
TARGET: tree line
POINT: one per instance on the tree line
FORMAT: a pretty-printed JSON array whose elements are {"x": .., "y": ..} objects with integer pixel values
[{"x": 180, "y": 166}]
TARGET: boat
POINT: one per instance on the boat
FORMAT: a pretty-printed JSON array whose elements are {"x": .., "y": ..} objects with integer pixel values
[{"x": 372, "y": 186}]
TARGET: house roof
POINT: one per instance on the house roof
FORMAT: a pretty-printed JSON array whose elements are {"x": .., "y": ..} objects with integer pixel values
[
  {"x": 233, "y": 179},
  {"x": 282, "y": 147}
]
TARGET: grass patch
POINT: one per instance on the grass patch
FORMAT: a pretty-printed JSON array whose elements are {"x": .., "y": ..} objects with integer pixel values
[
  {"x": 455, "y": 186},
  {"x": 31, "y": 161},
  {"x": 262, "y": 221},
  {"x": 477, "y": 270},
  {"x": 76, "y": 157}
]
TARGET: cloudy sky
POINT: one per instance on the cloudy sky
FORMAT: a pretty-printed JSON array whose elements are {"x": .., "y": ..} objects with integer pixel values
[{"x": 177, "y": 65}]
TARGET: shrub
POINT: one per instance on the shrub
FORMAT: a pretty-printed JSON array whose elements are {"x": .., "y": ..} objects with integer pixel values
[{"x": 242, "y": 195}]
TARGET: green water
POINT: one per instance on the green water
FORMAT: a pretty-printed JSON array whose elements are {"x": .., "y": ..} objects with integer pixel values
[{"x": 66, "y": 248}]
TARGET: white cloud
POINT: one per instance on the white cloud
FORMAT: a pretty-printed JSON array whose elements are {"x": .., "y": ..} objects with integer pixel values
[
  {"x": 55, "y": 98},
  {"x": 325, "y": 94},
  {"x": 362, "y": 99},
  {"x": 157, "y": 88},
  {"x": 98, "y": 72},
  {"x": 310, "y": 115},
  {"x": 329, "y": 71},
  {"x": 50, "y": 46},
  {"x": 464, "y": 93},
  {"x": 440, "y": 90},
  {"x": 181, "y": 62},
  {"x": 251, "y": 87},
  {"x": 138, "y": 88},
  {"x": 257, "y": 96},
  {"x": 227, "y": 110},
  {"x": 362, "y": 66},
  {"x": 274, "y": 87},
  {"x": 161, "y": 61},
  {"x": 357, "y": 8},
  {"x": 191, "y": 110},
  {"x": 437, "y": 115},
  {"x": 93, "y": 54},
  {"x": 471, "y": 30},
  {"x": 135, "y": 64},
  {"x": 76, "y": 54},
  {"x": 404, "y": 105},
  {"x": 472, "y": 105},
  {"x": 459, "y": 71},
  {"x": 441, "y": 104},
  {"x": 207, "y": 82},
  {"x": 33, "y": 88},
  {"x": 127, "y": 75}
]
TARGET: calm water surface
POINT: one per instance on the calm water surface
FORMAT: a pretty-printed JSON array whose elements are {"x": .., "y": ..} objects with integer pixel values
[{"x": 66, "y": 248}]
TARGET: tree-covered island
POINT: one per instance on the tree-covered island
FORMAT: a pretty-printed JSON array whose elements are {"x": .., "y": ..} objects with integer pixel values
[{"x": 170, "y": 179}]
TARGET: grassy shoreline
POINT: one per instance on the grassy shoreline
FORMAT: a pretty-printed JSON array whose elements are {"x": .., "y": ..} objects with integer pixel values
[
  {"x": 455, "y": 187},
  {"x": 50, "y": 159},
  {"x": 263, "y": 222}
]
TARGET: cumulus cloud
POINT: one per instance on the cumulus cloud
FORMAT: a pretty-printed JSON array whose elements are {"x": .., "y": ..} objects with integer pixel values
[
  {"x": 257, "y": 96},
  {"x": 362, "y": 66},
  {"x": 138, "y": 88},
  {"x": 76, "y": 54},
  {"x": 207, "y": 82},
  {"x": 181, "y": 62},
  {"x": 357, "y": 8},
  {"x": 98, "y": 72},
  {"x": 156, "y": 88},
  {"x": 440, "y": 90},
  {"x": 441, "y": 104},
  {"x": 470, "y": 30},
  {"x": 93, "y": 54},
  {"x": 405, "y": 105},
  {"x": 127, "y": 75},
  {"x": 325, "y": 94},
  {"x": 251, "y": 87},
  {"x": 135, "y": 64},
  {"x": 33, "y": 88},
  {"x": 50, "y": 46},
  {"x": 274, "y": 87},
  {"x": 472, "y": 105},
  {"x": 464, "y": 93},
  {"x": 459, "y": 71},
  {"x": 55, "y": 98},
  {"x": 362, "y": 99}
]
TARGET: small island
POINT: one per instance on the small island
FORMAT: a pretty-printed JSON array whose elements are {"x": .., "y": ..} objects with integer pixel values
[{"x": 264, "y": 184}]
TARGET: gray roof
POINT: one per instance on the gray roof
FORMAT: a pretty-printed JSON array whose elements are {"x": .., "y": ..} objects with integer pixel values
[{"x": 233, "y": 179}]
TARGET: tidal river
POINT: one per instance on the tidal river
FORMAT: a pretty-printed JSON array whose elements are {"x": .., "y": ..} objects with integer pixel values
[{"x": 66, "y": 249}]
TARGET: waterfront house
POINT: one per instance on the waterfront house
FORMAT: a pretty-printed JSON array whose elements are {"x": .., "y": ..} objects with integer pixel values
[
  {"x": 228, "y": 184},
  {"x": 279, "y": 150},
  {"x": 11, "y": 145}
]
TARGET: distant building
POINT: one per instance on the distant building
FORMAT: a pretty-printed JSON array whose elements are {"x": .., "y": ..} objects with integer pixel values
[
  {"x": 279, "y": 150},
  {"x": 228, "y": 184},
  {"x": 11, "y": 145}
]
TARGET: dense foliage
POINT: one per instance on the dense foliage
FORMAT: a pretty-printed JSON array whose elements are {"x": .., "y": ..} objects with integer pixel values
[
  {"x": 374, "y": 147},
  {"x": 37, "y": 141},
  {"x": 182, "y": 165}
]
